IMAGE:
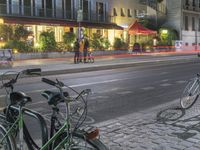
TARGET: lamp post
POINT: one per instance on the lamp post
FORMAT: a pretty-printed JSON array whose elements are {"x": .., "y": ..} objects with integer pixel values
[{"x": 80, "y": 18}]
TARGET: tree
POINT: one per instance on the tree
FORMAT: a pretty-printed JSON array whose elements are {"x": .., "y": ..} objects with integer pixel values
[
  {"x": 6, "y": 32},
  {"x": 68, "y": 39},
  {"x": 47, "y": 41},
  {"x": 21, "y": 33}
]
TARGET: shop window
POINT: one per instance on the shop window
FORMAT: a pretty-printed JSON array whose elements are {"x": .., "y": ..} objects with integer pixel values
[{"x": 71, "y": 29}]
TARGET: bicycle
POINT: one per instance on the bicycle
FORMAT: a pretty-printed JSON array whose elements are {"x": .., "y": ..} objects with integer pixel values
[
  {"x": 12, "y": 121},
  {"x": 190, "y": 93},
  {"x": 14, "y": 115},
  {"x": 63, "y": 135}
]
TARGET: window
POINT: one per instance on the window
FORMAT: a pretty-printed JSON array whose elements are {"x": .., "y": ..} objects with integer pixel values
[
  {"x": 100, "y": 11},
  {"x": 193, "y": 3},
  {"x": 129, "y": 13},
  {"x": 114, "y": 12},
  {"x": 122, "y": 12},
  {"x": 2, "y": 1},
  {"x": 186, "y": 22},
  {"x": 85, "y": 9},
  {"x": 193, "y": 24},
  {"x": 199, "y": 25},
  {"x": 187, "y": 2},
  {"x": 68, "y": 5}
]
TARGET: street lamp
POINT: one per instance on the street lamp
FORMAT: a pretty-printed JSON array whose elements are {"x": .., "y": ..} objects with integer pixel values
[{"x": 80, "y": 18}]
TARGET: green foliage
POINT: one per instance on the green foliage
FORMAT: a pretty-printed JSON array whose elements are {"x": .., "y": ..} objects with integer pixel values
[
  {"x": 20, "y": 33},
  {"x": 47, "y": 41},
  {"x": 6, "y": 32},
  {"x": 120, "y": 44},
  {"x": 68, "y": 39},
  {"x": 19, "y": 45},
  {"x": 99, "y": 43},
  {"x": 169, "y": 37}
]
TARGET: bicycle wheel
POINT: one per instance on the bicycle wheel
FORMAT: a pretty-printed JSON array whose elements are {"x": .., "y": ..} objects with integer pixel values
[
  {"x": 8, "y": 143},
  {"x": 190, "y": 93},
  {"x": 80, "y": 143}
]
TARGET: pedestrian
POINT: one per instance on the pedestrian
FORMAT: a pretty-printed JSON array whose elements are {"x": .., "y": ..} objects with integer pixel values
[
  {"x": 136, "y": 48},
  {"x": 81, "y": 50},
  {"x": 76, "y": 51},
  {"x": 85, "y": 50}
]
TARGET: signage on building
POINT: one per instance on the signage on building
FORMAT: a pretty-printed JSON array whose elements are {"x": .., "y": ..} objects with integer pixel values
[
  {"x": 79, "y": 15},
  {"x": 178, "y": 44}
]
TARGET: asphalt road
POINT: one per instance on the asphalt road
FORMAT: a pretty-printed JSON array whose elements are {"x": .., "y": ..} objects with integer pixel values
[{"x": 116, "y": 92}]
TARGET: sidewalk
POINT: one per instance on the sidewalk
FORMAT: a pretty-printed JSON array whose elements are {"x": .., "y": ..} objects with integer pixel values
[
  {"x": 172, "y": 129},
  {"x": 53, "y": 66}
]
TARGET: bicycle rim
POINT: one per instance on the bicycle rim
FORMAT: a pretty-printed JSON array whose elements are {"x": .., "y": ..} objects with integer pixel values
[
  {"x": 190, "y": 94},
  {"x": 8, "y": 143}
]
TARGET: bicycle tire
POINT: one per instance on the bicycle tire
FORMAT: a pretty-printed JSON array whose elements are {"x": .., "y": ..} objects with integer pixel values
[
  {"x": 91, "y": 144},
  {"x": 10, "y": 142},
  {"x": 190, "y": 93}
]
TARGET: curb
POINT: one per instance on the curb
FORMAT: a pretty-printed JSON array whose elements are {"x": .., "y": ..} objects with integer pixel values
[{"x": 119, "y": 65}]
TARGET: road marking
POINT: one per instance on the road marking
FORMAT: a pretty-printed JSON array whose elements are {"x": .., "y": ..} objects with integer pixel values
[
  {"x": 165, "y": 84},
  {"x": 163, "y": 73},
  {"x": 181, "y": 82},
  {"x": 148, "y": 88},
  {"x": 165, "y": 80},
  {"x": 125, "y": 92}
]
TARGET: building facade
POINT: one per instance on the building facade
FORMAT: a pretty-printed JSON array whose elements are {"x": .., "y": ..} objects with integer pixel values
[
  {"x": 126, "y": 13},
  {"x": 184, "y": 16},
  {"x": 59, "y": 16}
]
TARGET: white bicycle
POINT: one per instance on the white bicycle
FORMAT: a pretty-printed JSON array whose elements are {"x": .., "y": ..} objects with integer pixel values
[{"x": 191, "y": 93}]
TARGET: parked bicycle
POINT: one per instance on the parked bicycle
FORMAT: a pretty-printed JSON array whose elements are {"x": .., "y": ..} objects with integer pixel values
[
  {"x": 12, "y": 121},
  {"x": 190, "y": 93},
  {"x": 62, "y": 136}
]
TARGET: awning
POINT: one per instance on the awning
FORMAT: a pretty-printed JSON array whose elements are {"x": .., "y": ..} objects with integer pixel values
[
  {"x": 137, "y": 28},
  {"x": 59, "y": 22}
]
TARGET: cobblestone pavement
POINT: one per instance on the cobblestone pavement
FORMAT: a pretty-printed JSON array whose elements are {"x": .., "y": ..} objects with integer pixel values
[{"x": 166, "y": 127}]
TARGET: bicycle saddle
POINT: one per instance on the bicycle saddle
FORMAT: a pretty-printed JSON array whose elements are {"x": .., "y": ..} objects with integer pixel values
[
  {"x": 54, "y": 98},
  {"x": 19, "y": 98}
]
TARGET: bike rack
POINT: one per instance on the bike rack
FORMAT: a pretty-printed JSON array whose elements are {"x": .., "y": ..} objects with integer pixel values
[{"x": 37, "y": 116}]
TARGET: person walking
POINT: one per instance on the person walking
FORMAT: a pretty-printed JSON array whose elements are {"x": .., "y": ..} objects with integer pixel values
[
  {"x": 76, "y": 51},
  {"x": 81, "y": 50},
  {"x": 85, "y": 50}
]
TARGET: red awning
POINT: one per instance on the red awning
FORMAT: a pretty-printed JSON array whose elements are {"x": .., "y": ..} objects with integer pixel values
[{"x": 137, "y": 28}]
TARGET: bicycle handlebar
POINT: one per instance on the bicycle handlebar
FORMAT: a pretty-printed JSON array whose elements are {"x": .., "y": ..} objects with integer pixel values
[
  {"x": 48, "y": 81},
  {"x": 35, "y": 71}
]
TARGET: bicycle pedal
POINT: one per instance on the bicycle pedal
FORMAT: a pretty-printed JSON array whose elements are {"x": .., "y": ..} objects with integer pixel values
[{"x": 92, "y": 133}]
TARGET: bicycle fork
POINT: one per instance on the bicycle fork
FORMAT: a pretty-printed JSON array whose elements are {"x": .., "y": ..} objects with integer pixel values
[{"x": 20, "y": 123}]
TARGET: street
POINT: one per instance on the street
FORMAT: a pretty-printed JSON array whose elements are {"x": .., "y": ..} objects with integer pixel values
[{"x": 118, "y": 92}]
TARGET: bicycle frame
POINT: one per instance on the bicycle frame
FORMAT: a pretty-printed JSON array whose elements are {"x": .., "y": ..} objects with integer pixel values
[
  {"x": 196, "y": 81},
  {"x": 18, "y": 123}
]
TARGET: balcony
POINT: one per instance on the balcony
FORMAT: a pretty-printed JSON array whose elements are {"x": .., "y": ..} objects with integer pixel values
[
  {"x": 35, "y": 12},
  {"x": 3, "y": 9}
]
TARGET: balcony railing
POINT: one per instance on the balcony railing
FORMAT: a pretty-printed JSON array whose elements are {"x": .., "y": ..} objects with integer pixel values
[
  {"x": 17, "y": 10},
  {"x": 3, "y": 9}
]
